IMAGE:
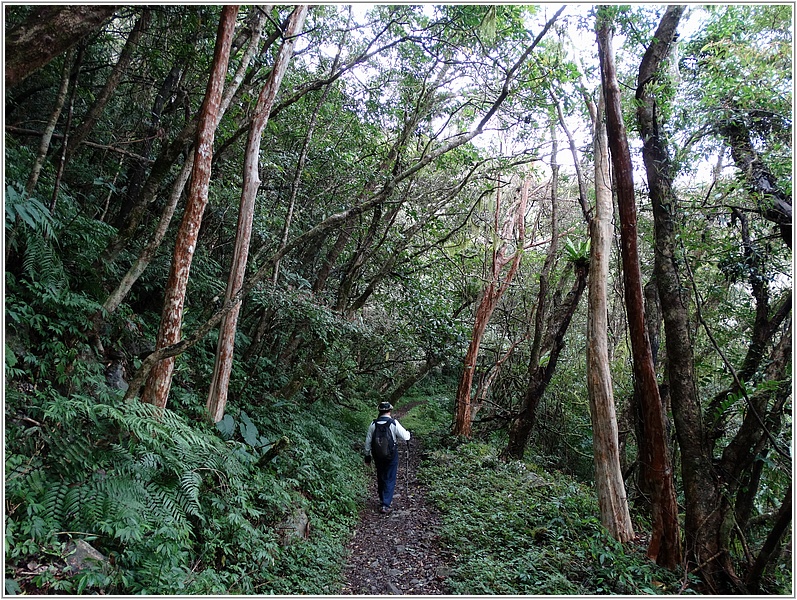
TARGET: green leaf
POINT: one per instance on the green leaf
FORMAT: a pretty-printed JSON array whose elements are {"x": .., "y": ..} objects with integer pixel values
[
  {"x": 249, "y": 430},
  {"x": 226, "y": 426},
  {"x": 12, "y": 587}
]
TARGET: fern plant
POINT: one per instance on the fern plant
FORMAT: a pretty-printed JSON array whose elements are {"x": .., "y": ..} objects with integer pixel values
[
  {"x": 152, "y": 490},
  {"x": 32, "y": 232}
]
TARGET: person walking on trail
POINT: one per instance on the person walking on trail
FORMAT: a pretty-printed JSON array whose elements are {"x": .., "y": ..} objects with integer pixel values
[{"x": 381, "y": 444}]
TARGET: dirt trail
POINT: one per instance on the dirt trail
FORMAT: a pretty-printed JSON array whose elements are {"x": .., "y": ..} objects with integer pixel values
[{"x": 397, "y": 553}]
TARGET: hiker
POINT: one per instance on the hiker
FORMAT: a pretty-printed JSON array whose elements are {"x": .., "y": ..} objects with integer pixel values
[{"x": 380, "y": 442}]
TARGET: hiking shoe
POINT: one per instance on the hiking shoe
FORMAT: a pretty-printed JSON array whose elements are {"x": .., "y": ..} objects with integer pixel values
[{"x": 384, "y": 510}]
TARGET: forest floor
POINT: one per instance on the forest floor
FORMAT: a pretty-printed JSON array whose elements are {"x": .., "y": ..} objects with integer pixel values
[{"x": 398, "y": 553}]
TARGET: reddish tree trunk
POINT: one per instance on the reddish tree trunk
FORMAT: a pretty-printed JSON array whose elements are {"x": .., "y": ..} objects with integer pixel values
[
  {"x": 462, "y": 416},
  {"x": 342, "y": 218},
  {"x": 217, "y": 396},
  {"x": 702, "y": 497},
  {"x": 159, "y": 381},
  {"x": 550, "y": 326},
  {"x": 492, "y": 294},
  {"x": 654, "y": 457},
  {"x": 145, "y": 258}
]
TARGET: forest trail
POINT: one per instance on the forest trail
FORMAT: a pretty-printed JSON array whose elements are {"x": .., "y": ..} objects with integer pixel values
[{"x": 397, "y": 553}]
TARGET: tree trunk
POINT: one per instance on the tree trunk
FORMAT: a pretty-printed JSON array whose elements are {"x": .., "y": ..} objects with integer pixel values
[
  {"x": 159, "y": 170},
  {"x": 343, "y": 218},
  {"x": 134, "y": 201},
  {"x": 156, "y": 390},
  {"x": 764, "y": 325},
  {"x": 61, "y": 162},
  {"x": 761, "y": 423},
  {"x": 609, "y": 485},
  {"x": 553, "y": 343},
  {"x": 492, "y": 375},
  {"x": 698, "y": 477},
  {"x": 120, "y": 68},
  {"x": 462, "y": 414},
  {"x": 402, "y": 388},
  {"x": 492, "y": 294},
  {"x": 44, "y": 145},
  {"x": 356, "y": 261},
  {"x": 538, "y": 377},
  {"x": 48, "y": 32},
  {"x": 344, "y": 235},
  {"x": 775, "y": 204},
  {"x": 217, "y": 396},
  {"x": 771, "y": 544},
  {"x": 655, "y": 461},
  {"x": 116, "y": 297},
  {"x": 758, "y": 432},
  {"x": 297, "y": 177}
]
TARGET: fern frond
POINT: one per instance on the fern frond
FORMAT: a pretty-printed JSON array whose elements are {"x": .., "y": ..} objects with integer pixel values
[
  {"x": 166, "y": 511},
  {"x": 190, "y": 482},
  {"x": 37, "y": 482},
  {"x": 124, "y": 501},
  {"x": 54, "y": 503},
  {"x": 74, "y": 454},
  {"x": 73, "y": 502},
  {"x": 42, "y": 263}
]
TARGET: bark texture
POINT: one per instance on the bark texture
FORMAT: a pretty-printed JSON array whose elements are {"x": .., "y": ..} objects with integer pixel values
[
  {"x": 116, "y": 297},
  {"x": 609, "y": 484},
  {"x": 217, "y": 396},
  {"x": 774, "y": 203},
  {"x": 654, "y": 458},
  {"x": 516, "y": 221},
  {"x": 46, "y": 33},
  {"x": 47, "y": 136},
  {"x": 696, "y": 466},
  {"x": 156, "y": 390}
]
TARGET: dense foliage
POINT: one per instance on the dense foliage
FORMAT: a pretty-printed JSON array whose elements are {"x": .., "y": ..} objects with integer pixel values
[
  {"x": 385, "y": 193},
  {"x": 515, "y": 528},
  {"x": 177, "y": 507}
]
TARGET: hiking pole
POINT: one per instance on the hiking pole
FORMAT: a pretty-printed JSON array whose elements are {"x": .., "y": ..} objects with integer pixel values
[{"x": 407, "y": 476}]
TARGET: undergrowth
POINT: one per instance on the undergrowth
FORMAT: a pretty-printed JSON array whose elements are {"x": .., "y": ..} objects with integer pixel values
[
  {"x": 175, "y": 507},
  {"x": 515, "y": 529}
]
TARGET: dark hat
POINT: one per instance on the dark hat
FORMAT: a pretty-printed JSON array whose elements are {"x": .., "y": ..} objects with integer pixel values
[{"x": 384, "y": 407}]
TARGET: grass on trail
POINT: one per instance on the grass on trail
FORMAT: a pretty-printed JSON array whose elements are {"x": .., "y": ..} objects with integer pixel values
[{"x": 515, "y": 529}]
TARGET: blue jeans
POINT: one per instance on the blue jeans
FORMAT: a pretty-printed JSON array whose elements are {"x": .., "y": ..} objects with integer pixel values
[{"x": 386, "y": 471}]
